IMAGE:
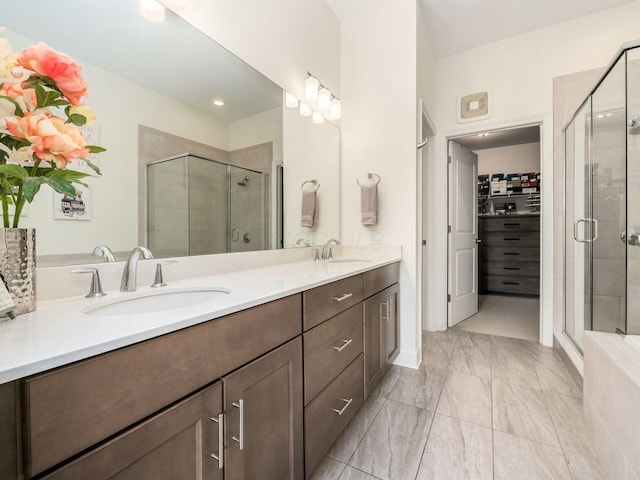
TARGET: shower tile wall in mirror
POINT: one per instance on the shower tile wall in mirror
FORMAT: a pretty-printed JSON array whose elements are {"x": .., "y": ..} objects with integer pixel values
[{"x": 152, "y": 87}]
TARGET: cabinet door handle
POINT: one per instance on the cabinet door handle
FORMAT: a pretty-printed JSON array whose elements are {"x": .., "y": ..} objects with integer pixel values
[
  {"x": 510, "y": 283},
  {"x": 240, "y": 437},
  {"x": 220, "y": 455},
  {"x": 510, "y": 253},
  {"x": 385, "y": 315},
  {"x": 511, "y": 224},
  {"x": 341, "y": 411},
  {"x": 511, "y": 268},
  {"x": 512, "y": 239},
  {"x": 342, "y": 297},
  {"x": 344, "y": 345}
]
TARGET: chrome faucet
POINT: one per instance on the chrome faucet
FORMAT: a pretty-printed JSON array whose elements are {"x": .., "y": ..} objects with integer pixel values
[
  {"x": 129, "y": 282},
  {"x": 302, "y": 241},
  {"x": 327, "y": 254},
  {"x": 104, "y": 252}
]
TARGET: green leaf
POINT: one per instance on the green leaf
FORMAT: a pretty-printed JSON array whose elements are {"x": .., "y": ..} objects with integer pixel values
[
  {"x": 59, "y": 185},
  {"x": 96, "y": 149},
  {"x": 92, "y": 166},
  {"x": 31, "y": 186},
  {"x": 18, "y": 111},
  {"x": 67, "y": 174},
  {"x": 11, "y": 170},
  {"x": 77, "y": 119}
]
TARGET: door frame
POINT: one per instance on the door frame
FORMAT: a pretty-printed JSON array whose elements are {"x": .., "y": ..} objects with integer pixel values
[{"x": 437, "y": 242}]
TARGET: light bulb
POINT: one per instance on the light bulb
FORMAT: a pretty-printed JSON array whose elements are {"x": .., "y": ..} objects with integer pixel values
[
  {"x": 324, "y": 99},
  {"x": 317, "y": 118},
  {"x": 311, "y": 85},
  {"x": 305, "y": 110},
  {"x": 290, "y": 101},
  {"x": 335, "y": 109},
  {"x": 152, "y": 10}
]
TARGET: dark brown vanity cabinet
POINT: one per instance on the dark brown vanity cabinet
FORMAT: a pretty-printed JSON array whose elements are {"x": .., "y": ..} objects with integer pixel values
[
  {"x": 381, "y": 325},
  {"x": 263, "y": 410},
  {"x": 181, "y": 443}
]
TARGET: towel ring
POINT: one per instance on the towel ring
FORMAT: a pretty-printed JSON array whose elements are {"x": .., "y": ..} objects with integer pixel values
[
  {"x": 314, "y": 181},
  {"x": 369, "y": 176}
]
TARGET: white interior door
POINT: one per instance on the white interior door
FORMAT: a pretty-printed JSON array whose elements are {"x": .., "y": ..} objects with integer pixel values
[{"x": 463, "y": 220}]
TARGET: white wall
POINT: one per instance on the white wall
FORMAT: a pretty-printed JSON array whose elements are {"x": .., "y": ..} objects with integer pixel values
[
  {"x": 511, "y": 159},
  {"x": 379, "y": 49},
  {"x": 519, "y": 72},
  {"x": 311, "y": 151},
  {"x": 282, "y": 39}
]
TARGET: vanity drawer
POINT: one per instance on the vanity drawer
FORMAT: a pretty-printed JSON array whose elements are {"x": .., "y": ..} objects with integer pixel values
[
  {"x": 507, "y": 224},
  {"x": 329, "y": 348},
  {"x": 511, "y": 254},
  {"x": 524, "y": 285},
  {"x": 514, "y": 269},
  {"x": 330, "y": 412},
  {"x": 512, "y": 239},
  {"x": 72, "y": 408},
  {"x": 322, "y": 303},
  {"x": 375, "y": 281}
]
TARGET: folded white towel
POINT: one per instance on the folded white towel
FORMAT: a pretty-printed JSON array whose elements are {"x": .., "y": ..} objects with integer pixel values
[
  {"x": 308, "y": 216},
  {"x": 369, "y": 204}
]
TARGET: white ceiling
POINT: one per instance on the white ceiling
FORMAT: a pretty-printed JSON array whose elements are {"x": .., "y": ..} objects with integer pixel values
[
  {"x": 500, "y": 138},
  {"x": 458, "y": 25}
]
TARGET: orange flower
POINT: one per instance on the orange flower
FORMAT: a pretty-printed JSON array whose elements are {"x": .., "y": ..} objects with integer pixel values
[
  {"x": 26, "y": 98},
  {"x": 66, "y": 73},
  {"x": 51, "y": 138}
]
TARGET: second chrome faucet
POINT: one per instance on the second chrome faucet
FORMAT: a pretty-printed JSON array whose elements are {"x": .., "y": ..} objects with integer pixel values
[{"x": 129, "y": 274}]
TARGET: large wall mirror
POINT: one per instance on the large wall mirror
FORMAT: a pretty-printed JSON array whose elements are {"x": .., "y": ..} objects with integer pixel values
[{"x": 180, "y": 174}]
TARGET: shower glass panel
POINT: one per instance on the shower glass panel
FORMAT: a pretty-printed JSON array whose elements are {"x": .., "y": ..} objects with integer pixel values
[
  {"x": 577, "y": 250},
  {"x": 197, "y": 206},
  {"x": 602, "y": 200},
  {"x": 249, "y": 212},
  {"x": 633, "y": 192}
]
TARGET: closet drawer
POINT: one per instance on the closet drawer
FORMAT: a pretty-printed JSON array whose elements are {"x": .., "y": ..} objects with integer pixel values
[
  {"x": 329, "y": 348},
  {"x": 513, "y": 269},
  {"x": 322, "y": 303},
  {"x": 377, "y": 280},
  {"x": 510, "y": 224},
  {"x": 511, "y": 254},
  {"x": 330, "y": 412},
  {"x": 511, "y": 239},
  {"x": 525, "y": 285}
]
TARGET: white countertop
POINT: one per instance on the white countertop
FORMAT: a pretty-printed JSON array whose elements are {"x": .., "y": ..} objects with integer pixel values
[{"x": 58, "y": 333}]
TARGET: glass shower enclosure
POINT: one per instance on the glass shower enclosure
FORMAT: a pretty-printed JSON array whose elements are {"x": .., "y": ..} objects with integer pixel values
[
  {"x": 198, "y": 206},
  {"x": 602, "y": 209}
]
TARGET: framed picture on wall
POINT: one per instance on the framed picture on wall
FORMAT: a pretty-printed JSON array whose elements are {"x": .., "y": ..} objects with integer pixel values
[{"x": 70, "y": 207}]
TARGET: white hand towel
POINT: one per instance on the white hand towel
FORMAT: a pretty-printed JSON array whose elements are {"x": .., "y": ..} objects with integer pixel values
[
  {"x": 369, "y": 204},
  {"x": 307, "y": 218}
]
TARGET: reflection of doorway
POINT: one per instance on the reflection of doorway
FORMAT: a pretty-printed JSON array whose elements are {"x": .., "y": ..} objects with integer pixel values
[{"x": 505, "y": 201}]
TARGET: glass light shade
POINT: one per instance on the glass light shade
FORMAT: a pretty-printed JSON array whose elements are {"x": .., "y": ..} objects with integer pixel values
[
  {"x": 317, "y": 118},
  {"x": 152, "y": 10},
  {"x": 335, "y": 109},
  {"x": 324, "y": 99},
  {"x": 311, "y": 86},
  {"x": 305, "y": 110},
  {"x": 290, "y": 101}
]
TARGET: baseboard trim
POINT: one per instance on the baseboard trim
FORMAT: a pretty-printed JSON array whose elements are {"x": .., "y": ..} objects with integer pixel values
[{"x": 408, "y": 358}]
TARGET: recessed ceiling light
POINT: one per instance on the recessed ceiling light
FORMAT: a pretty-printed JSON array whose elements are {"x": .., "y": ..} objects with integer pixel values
[
  {"x": 218, "y": 103},
  {"x": 483, "y": 134}
]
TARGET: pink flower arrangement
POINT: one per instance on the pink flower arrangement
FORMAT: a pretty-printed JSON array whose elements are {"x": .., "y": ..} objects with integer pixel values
[{"x": 40, "y": 115}]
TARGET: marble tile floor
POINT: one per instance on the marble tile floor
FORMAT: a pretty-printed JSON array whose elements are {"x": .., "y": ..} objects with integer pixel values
[{"x": 479, "y": 407}]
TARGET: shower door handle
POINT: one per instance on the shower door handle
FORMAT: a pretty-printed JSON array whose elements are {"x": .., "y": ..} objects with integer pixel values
[{"x": 575, "y": 229}]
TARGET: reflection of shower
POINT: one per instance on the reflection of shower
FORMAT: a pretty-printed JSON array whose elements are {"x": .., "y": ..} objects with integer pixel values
[
  {"x": 634, "y": 125},
  {"x": 244, "y": 181}
]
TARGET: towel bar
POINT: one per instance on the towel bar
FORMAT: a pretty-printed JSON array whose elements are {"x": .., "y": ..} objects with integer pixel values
[
  {"x": 369, "y": 176},
  {"x": 314, "y": 181}
]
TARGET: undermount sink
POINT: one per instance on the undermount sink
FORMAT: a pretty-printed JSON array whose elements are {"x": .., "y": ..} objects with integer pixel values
[{"x": 156, "y": 301}]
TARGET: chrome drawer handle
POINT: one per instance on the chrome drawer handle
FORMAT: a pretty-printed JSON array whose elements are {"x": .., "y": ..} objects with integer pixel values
[
  {"x": 343, "y": 297},
  {"x": 384, "y": 316},
  {"x": 341, "y": 411},
  {"x": 345, "y": 345},
  {"x": 240, "y": 437},
  {"x": 220, "y": 455}
]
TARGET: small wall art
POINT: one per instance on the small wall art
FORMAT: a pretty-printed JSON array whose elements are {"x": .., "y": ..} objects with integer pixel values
[{"x": 70, "y": 207}]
